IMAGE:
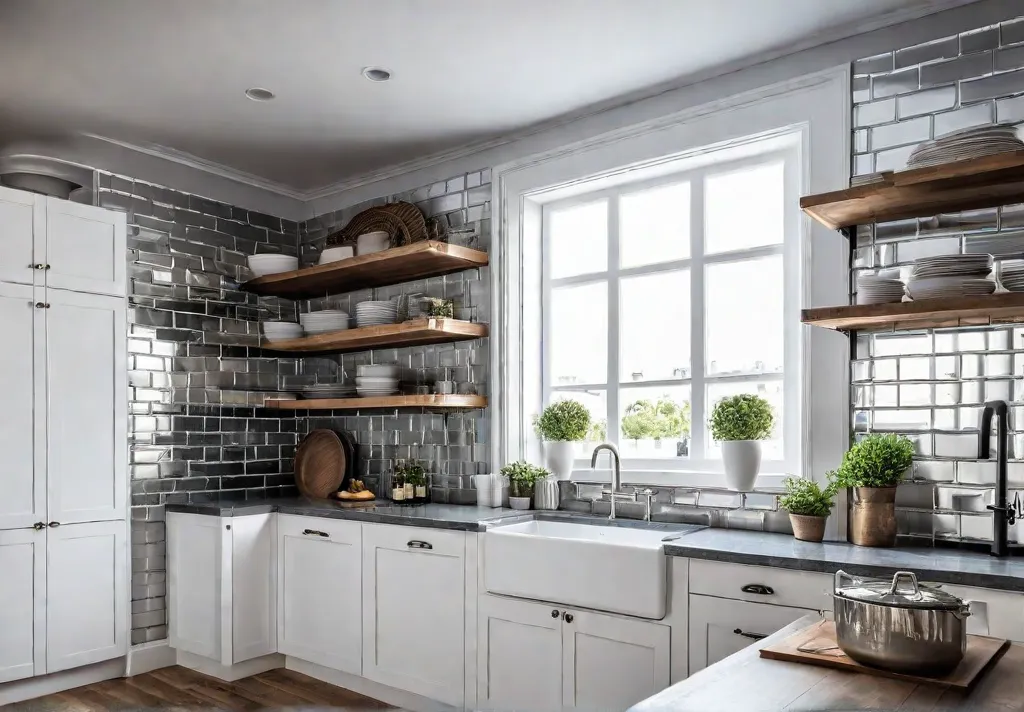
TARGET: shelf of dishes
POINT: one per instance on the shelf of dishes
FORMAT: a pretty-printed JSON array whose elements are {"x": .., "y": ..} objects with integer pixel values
[
  {"x": 340, "y": 270},
  {"x": 1002, "y": 308},
  {"x": 393, "y": 401},
  {"x": 339, "y": 339}
]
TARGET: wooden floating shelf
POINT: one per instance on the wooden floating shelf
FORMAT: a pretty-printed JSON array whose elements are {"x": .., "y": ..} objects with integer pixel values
[
  {"x": 984, "y": 182},
  {"x": 399, "y": 264},
  {"x": 418, "y": 332},
  {"x": 1005, "y": 308},
  {"x": 428, "y": 401}
]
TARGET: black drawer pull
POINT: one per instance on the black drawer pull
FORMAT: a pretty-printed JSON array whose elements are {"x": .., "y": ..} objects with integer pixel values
[
  {"x": 417, "y": 544},
  {"x": 759, "y": 589},
  {"x": 752, "y": 636},
  {"x": 316, "y": 532}
]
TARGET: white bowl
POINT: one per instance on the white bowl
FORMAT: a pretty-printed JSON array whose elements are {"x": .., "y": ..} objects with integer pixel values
[
  {"x": 371, "y": 381},
  {"x": 336, "y": 254},
  {"x": 370, "y": 242},
  {"x": 262, "y": 265},
  {"x": 377, "y": 371}
]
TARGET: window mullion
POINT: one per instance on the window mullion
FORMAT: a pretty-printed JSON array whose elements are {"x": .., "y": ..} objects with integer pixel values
[
  {"x": 612, "y": 397},
  {"x": 698, "y": 418}
]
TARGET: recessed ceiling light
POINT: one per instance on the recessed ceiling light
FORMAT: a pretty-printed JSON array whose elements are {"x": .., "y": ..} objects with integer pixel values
[
  {"x": 259, "y": 94},
  {"x": 376, "y": 74}
]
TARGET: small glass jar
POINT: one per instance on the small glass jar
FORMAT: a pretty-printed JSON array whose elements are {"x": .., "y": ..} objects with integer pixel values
[
  {"x": 398, "y": 488},
  {"x": 410, "y": 490}
]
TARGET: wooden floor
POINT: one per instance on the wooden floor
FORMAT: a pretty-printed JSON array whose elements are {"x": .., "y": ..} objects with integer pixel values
[{"x": 180, "y": 688}]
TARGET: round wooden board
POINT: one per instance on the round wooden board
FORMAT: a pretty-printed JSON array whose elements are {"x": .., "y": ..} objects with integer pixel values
[{"x": 320, "y": 464}]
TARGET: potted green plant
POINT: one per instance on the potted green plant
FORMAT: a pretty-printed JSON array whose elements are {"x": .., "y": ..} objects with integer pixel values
[
  {"x": 871, "y": 469},
  {"x": 561, "y": 425},
  {"x": 809, "y": 506},
  {"x": 522, "y": 477},
  {"x": 739, "y": 423}
]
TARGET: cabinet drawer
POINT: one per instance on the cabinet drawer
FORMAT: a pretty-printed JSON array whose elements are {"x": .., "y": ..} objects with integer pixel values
[
  {"x": 319, "y": 528},
  {"x": 438, "y": 541},
  {"x": 781, "y": 587}
]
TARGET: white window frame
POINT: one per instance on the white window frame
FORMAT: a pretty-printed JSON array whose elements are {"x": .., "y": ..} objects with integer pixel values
[{"x": 699, "y": 460}]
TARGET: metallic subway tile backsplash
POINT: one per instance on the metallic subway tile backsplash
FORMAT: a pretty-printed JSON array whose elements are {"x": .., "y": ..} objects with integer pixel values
[{"x": 929, "y": 385}]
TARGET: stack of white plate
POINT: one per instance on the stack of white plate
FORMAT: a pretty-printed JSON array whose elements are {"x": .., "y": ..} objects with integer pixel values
[
  {"x": 377, "y": 370},
  {"x": 375, "y": 313},
  {"x": 262, "y": 265},
  {"x": 370, "y": 242},
  {"x": 872, "y": 289},
  {"x": 323, "y": 322},
  {"x": 1012, "y": 278},
  {"x": 965, "y": 144},
  {"x": 951, "y": 276},
  {"x": 281, "y": 330},
  {"x": 328, "y": 390},
  {"x": 368, "y": 386}
]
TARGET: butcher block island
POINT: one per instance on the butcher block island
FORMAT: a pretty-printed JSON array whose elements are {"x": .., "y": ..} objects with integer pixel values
[{"x": 746, "y": 681}]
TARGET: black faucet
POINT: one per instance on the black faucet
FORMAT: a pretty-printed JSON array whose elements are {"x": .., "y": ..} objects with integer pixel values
[{"x": 1003, "y": 515}]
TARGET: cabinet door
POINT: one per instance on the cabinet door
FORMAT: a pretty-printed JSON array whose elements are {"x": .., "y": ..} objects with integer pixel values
[
  {"x": 86, "y": 594},
  {"x": 999, "y": 614},
  {"x": 414, "y": 610},
  {"x": 720, "y": 627},
  {"x": 85, "y": 248},
  {"x": 87, "y": 450},
  {"x": 21, "y": 216},
  {"x": 611, "y": 663},
  {"x": 319, "y": 613},
  {"x": 194, "y": 581},
  {"x": 22, "y": 604},
  {"x": 253, "y": 587},
  {"x": 22, "y": 426},
  {"x": 519, "y": 655}
]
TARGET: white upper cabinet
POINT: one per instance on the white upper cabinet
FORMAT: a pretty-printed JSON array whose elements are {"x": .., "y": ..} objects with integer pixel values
[
  {"x": 85, "y": 248},
  {"x": 22, "y": 604},
  {"x": 22, "y": 477},
  {"x": 87, "y": 407},
  {"x": 20, "y": 213}
]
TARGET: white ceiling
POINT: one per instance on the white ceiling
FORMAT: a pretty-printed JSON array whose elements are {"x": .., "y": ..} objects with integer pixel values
[{"x": 173, "y": 72}]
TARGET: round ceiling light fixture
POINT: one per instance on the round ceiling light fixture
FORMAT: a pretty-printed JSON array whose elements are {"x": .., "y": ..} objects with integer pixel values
[
  {"x": 259, "y": 94},
  {"x": 376, "y": 74}
]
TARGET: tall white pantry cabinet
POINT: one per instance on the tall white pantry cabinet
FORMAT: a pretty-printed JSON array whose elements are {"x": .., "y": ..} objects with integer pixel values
[{"x": 64, "y": 556}]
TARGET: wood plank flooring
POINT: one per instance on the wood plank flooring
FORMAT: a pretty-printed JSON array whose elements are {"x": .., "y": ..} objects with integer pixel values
[{"x": 179, "y": 688}]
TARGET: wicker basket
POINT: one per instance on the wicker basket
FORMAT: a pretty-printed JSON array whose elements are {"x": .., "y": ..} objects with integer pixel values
[
  {"x": 369, "y": 221},
  {"x": 412, "y": 217}
]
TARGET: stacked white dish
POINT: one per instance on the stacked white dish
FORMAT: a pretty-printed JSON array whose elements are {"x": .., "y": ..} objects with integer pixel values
[
  {"x": 965, "y": 144},
  {"x": 368, "y": 386},
  {"x": 281, "y": 330},
  {"x": 336, "y": 254},
  {"x": 377, "y": 370},
  {"x": 328, "y": 390},
  {"x": 1012, "y": 277},
  {"x": 323, "y": 322},
  {"x": 370, "y": 242},
  {"x": 951, "y": 276},
  {"x": 875, "y": 289},
  {"x": 262, "y": 265},
  {"x": 376, "y": 313}
]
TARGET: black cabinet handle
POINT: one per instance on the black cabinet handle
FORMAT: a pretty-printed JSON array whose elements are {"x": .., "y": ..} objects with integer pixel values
[
  {"x": 554, "y": 613},
  {"x": 39, "y": 525},
  {"x": 42, "y": 305},
  {"x": 417, "y": 544},
  {"x": 316, "y": 532},
  {"x": 567, "y": 617},
  {"x": 53, "y": 524},
  {"x": 759, "y": 589},
  {"x": 752, "y": 636}
]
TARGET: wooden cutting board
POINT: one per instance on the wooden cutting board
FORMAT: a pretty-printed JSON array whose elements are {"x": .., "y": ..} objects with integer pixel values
[
  {"x": 320, "y": 464},
  {"x": 981, "y": 653}
]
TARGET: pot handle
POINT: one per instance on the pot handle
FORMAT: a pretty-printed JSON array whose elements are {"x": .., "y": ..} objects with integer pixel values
[
  {"x": 840, "y": 575},
  {"x": 904, "y": 575}
]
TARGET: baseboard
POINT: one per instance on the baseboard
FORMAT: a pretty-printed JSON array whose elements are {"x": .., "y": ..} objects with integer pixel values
[
  {"x": 150, "y": 656},
  {"x": 229, "y": 673},
  {"x": 393, "y": 697},
  {"x": 31, "y": 688}
]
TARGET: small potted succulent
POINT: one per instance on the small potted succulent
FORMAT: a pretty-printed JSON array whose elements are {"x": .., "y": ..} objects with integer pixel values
[
  {"x": 562, "y": 424},
  {"x": 522, "y": 477},
  {"x": 739, "y": 423},
  {"x": 871, "y": 469},
  {"x": 809, "y": 506}
]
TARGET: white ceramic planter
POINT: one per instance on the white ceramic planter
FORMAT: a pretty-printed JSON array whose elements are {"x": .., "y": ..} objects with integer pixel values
[
  {"x": 519, "y": 502},
  {"x": 742, "y": 463},
  {"x": 558, "y": 457}
]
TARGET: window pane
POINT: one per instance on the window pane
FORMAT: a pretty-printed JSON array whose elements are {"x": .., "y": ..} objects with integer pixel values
[
  {"x": 743, "y": 316},
  {"x": 579, "y": 239},
  {"x": 770, "y": 391},
  {"x": 579, "y": 335},
  {"x": 655, "y": 422},
  {"x": 595, "y": 401},
  {"x": 744, "y": 208},
  {"x": 654, "y": 327},
  {"x": 655, "y": 225}
]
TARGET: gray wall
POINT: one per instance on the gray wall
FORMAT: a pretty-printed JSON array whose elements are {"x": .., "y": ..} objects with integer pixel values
[{"x": 929, "y": 384}]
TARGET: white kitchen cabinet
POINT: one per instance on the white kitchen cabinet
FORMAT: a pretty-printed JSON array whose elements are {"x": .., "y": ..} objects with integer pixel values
[
  {"x": 720, "y": 627},
  {"x": 999, "y": 614},
  {"x": 22, "y": 604},
  {"x": 319, "y": 591},
  {"x": 414, "y": 610},
  {"x": 86, "y": 594},
  {"x": 86, "y": 415},
  {"x": 20, "y": 214},
  {"x": 222, "y": 585},
  {"x": 85, "y": 248}
]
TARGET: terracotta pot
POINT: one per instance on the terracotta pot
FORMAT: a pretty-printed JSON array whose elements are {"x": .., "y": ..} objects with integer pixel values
[
  {"x": 807, "y": 528},
  {"x": 873, "y": 516}
]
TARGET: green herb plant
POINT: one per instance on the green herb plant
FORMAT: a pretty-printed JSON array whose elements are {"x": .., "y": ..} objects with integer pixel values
[
  {"x": 663, "y": 418},
  {"x": 522, "y": 476},
  {"x": 807, "y": 498},
  {"x": 414, "y": 474},
  {"x": 563, "y": 420},
  {"x": 742, "y": 417},
  {"x": 878, "y": 460}
]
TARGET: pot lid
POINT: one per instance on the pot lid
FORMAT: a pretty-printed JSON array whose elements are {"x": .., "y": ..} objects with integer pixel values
[{"x": 903, "y": 591}]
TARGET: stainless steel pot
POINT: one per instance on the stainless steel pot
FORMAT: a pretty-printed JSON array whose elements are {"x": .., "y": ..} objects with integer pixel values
[{"x": 899, "y": 625}]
